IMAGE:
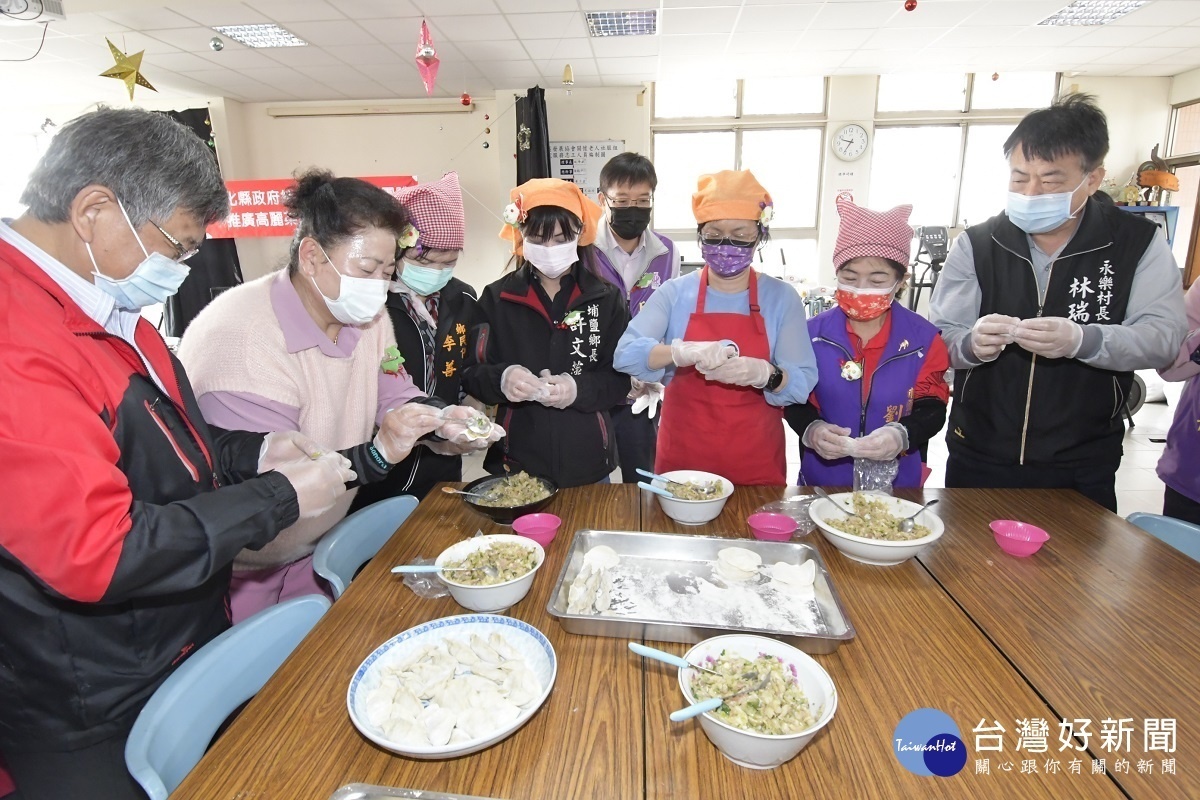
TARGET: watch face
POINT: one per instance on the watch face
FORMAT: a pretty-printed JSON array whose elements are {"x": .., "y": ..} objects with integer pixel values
[{"x": 850, "y": 142}]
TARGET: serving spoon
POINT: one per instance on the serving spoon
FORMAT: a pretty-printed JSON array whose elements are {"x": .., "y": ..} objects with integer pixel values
[
  {"x": 449, "y": 490},
  {"x": 712, "y": 704},
  {"x": 487, "y": 569},
  {"x": 822, "y": 493},
  {"x": 906, "y": 525}
]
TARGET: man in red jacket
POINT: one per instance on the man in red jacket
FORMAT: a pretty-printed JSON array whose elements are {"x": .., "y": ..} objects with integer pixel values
[{"x": 124, "y": 509}]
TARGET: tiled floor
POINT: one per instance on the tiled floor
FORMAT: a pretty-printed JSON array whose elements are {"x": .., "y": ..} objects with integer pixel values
[{"x": 1138, "y": 486}]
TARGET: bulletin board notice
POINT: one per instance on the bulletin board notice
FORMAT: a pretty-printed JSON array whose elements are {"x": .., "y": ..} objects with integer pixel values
[{"x": 581, "y": 162}]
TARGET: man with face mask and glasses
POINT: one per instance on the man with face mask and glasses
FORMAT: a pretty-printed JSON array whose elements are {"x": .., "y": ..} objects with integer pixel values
[
  {"x": 731, "y": 345},
  {"x": 1047, "y": 309},
  {"x": 637, "y": 261},
  {"x": 127, "y": 508}
]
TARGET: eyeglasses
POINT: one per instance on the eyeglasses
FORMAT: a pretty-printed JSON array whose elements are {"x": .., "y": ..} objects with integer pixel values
[
  {"x": 181, "y": 253},
  {"x": 644, "y": 202},
  {"x": 717, "y": 241}
]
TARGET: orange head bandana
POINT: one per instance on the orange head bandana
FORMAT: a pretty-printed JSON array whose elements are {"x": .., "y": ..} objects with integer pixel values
[
  {"x": 548, "y": 192},
  {"x": 732, "y": 194}
]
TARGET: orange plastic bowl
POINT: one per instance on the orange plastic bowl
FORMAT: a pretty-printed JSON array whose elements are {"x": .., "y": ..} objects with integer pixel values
[{"x": 1018, "y": 539}]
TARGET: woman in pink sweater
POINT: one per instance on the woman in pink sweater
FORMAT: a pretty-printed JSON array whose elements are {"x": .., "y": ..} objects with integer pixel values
[{"x": 306, "y": 349}]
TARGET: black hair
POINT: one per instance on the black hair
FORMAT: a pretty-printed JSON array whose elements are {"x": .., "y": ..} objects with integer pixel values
[
  {"x": 628, "y": 169},
  {"x": 540, "y": 222},
  {"x": 1072, "y": 125},
  {"x": 332, "y": 209}
]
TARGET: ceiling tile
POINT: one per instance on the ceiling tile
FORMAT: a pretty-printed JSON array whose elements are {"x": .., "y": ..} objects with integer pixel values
[
  {"x": 1176, "y": 37},
  {"x": 332, "y": 32},
  {"x": 189, "y": 40},
  {"x": 844, "y": 39},
  {"x": 401, "y": 32},
  {"x": 366, "y": 9},
  {"x": 300, "y": 56},
  {"x": 1108, "y": 36},
  {"x": 505, "y": 70},
  {"x": 482, "y": 28},
  {"x": 357, "y": 55},
  {"x": 525, "y": 6},
  {"x": 855, "y": 15},
  {"x": 619, "y": 46},
  {"x": 628, "y": 66},
  {"x": 447, "y": 52},
  {"x": 264, "y": 94},
  {"x": 698, "y": 20},
  {"x": 1163, "y": 12},
  {"x": 581, "y": 67},
  {"x": 764, "y": 42},
  {"x": 776, "y": 18},
  {"x": 366, "y": 90},
  {"x": 210, "y": 14},
  {"x": 1152, "y": 71},
  {"x": 559, "y": 48},
  {"x": 238, "y": 58},
  {"x": 1015, "y": 12},
  {"x": 182, "y": 62},
  {"x": 77, "y": 24},
  {"x": 333, "y": 75},
  {"x": 295, "y": 10},
  {"x": 148, "y": 19},
  {"x": 133, "y": 42},
  {"x": 617, "y": 5},
  {"x": 636, "y": 79},
  {"x": 495, "y": 51},
  {"x": 77, "y": 49},
  {"x": 1144, "y": 55},
  {"x": 938, "y": 14},
  {"x": 282, "y": 77},
  {"x": 455, "y": 8},
  {"x": 1050, "y": 36},
  {"x": 911, "y": 38},
  {"x": 970, "y": 36},
  {"x": 707, "y": 44},
  {"x": 547, "y": 26}
]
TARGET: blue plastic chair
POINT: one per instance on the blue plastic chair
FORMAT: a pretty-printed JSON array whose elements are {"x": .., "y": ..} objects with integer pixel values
[
  {"x": 1183, "y": 536},
  {"x": 356, "y": 539},
  {"x": 177, "y": 725}
]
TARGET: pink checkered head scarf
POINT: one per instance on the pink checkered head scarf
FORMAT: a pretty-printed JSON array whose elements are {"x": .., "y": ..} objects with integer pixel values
[
  {"x": 436, "y": 209},
  {"x": 864, "y": 232}
]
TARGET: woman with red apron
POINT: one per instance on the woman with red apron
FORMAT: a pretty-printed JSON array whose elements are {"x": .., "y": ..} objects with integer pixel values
[{"x": 738, "y": 347}]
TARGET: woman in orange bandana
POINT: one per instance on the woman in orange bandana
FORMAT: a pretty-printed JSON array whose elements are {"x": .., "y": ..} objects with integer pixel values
[
  {"x": 544, "y": 350},
  {"x": 729, "y": 343}
]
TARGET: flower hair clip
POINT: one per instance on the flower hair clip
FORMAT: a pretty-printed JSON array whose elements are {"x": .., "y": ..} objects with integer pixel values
[
  {"x": 768, "y": 213},
  {"x": 408, "y": 237}
]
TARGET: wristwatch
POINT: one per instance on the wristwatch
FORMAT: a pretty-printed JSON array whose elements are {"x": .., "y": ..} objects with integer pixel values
[{"x": 775, "y": 380}]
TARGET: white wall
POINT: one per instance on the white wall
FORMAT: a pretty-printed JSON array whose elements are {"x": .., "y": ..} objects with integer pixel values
[
  {"x": 1139, "y": 115},
  {"x": 1185, "y": 87}
]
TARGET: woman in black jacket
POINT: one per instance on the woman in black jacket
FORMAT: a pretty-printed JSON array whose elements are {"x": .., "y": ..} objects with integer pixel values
[{"x": 543, "y": 349}]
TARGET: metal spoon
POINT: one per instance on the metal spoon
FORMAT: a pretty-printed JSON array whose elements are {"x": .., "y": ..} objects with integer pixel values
[
  {"x": 822, "y": 493},
  {"x": 448, "y": 490},
  {"x": 906, "y": 525},
  {"x": 712, "y": 704},
  {"x": 487, "y": 569},
  {"x": 707, "y": 488}
]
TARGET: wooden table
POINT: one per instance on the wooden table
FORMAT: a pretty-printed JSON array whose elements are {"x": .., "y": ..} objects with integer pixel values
[{"x": 964, "y": 629}]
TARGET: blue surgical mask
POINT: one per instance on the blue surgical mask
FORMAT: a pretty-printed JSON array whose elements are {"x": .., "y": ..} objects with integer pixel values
[
  {"x": 425, "y": 280},
  {"x": 1041, "y": 213},
  {"x": 152, "y": 281}
]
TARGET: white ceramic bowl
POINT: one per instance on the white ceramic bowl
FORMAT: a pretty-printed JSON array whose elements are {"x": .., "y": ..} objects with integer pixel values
[
  {"x": 759, "y": 750},
  {"x": 874, "y": 551},
  {"x": 499, "y": 596},
  {"x": 693, "y": 512},
  {"x": 527, "y": 640}
]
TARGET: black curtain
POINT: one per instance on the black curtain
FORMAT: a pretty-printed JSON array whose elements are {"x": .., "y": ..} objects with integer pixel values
[
  {"x": 216, "y": 267},
  {"x": 533, "y": 136}
]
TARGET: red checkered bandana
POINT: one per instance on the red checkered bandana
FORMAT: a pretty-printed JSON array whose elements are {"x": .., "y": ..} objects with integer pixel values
[
  {"x": 436, "y": 209},
  {"x": 864, "y": 232}
]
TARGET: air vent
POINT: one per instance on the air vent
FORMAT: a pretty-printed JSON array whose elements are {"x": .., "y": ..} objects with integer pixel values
[
  {"x": 622, "y": 23},
  {"x": 261, "y": 35},
  {"x": 1093, "y": 12}
]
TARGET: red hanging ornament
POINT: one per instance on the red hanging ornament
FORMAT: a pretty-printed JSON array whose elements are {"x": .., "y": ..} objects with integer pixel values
[
  {"x": 910, "y": 5},
  {"x": 465, "y": 99},
  {"x": 427, "y": 60}
]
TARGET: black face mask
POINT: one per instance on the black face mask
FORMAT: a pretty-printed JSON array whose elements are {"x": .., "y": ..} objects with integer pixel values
[{"x": 629, "y": 223}]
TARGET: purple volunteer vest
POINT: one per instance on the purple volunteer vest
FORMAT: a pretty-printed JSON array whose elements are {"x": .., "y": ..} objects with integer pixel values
[
  {"x": 890, "y": 398},
  {"x": 657, "y": 273},
  {"x": 1179, "y": 466}
]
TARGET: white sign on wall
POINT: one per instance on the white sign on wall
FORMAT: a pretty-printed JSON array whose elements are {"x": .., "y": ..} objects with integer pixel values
[{"x": 581, "y": 162}]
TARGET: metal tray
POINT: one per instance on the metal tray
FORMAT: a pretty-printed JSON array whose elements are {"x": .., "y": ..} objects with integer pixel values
[
  {"x": 682, "y": 563},
  {"x": 364, "y": 791}
]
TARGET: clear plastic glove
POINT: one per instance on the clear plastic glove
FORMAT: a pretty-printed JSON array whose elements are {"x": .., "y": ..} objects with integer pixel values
[
  {"x": 402, "y": 427},
  {"x": 648, "y": 399},
  {"x": 465, "y": 430},
  {"x": 829, "y": 441},
  {"x": 704, "y": 355},
  {"x": 740, "y": 371},
  {"x": 318, "y": 482},
  {"x": 1050, "y": 337},
  {"x": 882, "y": 444},
  {"x": 520, "y": 385},
  {"x": 280, "y": 447},
  {"x": 456, "y": 448},
  {"x": 561, "y": 390},
  {"x": 991, "y": 334}
]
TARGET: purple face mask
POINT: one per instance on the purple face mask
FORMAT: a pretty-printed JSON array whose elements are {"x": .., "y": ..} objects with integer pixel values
[{"x": 727, "y": 260}]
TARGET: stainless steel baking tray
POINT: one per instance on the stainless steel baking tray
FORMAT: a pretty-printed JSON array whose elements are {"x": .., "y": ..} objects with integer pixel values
[
  {"x": 659, "y": 570},
  {"x": 363, "y": 791}
]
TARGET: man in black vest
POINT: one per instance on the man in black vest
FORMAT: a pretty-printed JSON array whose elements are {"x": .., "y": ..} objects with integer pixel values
[{"x": 1047, "y": 309}]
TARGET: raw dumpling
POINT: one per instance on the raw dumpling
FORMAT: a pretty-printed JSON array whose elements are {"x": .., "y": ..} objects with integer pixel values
[
  {"x": 737, "y": 563},
  {"x": 488, "y": 671},
  {"x": 459, "y": 736},
  {"x": 379, "y": 705},
  {"x": 523, "y": 687},
  {"x": 484, "y": 650},
  {"x": 406, "y": 663},
  {"x": 406, "y": 731},
  {"x": 439, "y": 724},
  {"x": 502, "y": 647},
  {"x": 454, "y": 695},
  {"x": 461, "y": 652},
  {"x": 476, "y": 722},
  {"x": 793, "y": 578},
  {"x": 602, "y": 557},
  {"x": 487, "y": 698}
]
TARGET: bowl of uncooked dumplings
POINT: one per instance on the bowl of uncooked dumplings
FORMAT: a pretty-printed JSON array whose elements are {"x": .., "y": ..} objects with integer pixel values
[{"x": 452, "y": 686}]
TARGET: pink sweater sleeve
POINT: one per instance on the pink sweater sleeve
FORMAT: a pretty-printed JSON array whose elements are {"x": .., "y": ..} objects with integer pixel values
[
  {"x": 246, "y": 411},
  {"x": 1184, "y": 368},
  {"x": 394, "y": 391}
]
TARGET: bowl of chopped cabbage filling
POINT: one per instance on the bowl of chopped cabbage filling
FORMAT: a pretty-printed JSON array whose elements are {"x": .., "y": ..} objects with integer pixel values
[
  {"x": 769, "y": 726},
  {"x": 873, "y": 535},
  {"x": 697, "y": 497},
  {"x": 490, "y": 573},
  {"x": 506, "y": 497}
]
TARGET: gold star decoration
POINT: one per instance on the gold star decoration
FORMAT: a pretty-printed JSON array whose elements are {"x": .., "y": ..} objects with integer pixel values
[{"x": 128, "y": 69}]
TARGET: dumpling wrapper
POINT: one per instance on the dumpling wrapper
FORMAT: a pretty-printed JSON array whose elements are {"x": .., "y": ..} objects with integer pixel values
[
  {"x": 602, "y": 557},
  {"x": 794, "y": 576},
  {"x": 740, "y": 558}
]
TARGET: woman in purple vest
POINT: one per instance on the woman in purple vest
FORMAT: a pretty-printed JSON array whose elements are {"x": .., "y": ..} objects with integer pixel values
[
  {"x": 1179, "y": 467},
  {"x": 882, "y": 389}
]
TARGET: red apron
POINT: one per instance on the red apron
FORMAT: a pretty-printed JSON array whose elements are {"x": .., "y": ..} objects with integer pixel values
[{"x": 728, "y": 430}]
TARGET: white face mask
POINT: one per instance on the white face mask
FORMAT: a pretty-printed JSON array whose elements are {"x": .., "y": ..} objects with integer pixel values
[
  {"x": 1041, "y": 213},
  {"x": 359, "y": 300},
  {"x": 155, "y": 279},
  {"x": 553, "y": 260}
]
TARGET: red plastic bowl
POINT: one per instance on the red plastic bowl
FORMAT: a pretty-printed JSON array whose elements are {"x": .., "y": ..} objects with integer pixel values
[
  {"x": 542, "y": 528},
  {"x": 771, "y": 527},
  {"x": 1018, "y": 539}
]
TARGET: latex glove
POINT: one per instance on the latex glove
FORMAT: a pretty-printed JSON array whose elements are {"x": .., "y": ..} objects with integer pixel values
[
  {"x": 830, "y": 441},
  {"x": 520, "y": 385},
  {"x": 991, "y": 334},
  {"x": 882, "y": 444},
  {"x": 561, "y": 390},
  {"x": 280, "y": 447},
  {"x": 318, "y": 482},
  {"x": 704, "y": 355},
  {"x": 649, "y": 399},
  {"x": 402, "y": 427},
  {"x": 741, "y": 371},
  {"x": 1050, "y": 337},
  {"x": 457, "y": 448}
]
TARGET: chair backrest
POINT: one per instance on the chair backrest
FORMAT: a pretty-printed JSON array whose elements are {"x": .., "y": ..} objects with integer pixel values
[
  {"x": 1183, "y": 536},
  {"x": 353, "y": 541},
  {"x": 175, "y": 728}
]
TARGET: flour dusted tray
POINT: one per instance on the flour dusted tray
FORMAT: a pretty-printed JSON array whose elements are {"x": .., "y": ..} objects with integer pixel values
[{"x": 665, "y": 588}]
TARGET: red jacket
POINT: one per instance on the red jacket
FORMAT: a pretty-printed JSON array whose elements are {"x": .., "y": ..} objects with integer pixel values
[{"x": 114, "y": 544}]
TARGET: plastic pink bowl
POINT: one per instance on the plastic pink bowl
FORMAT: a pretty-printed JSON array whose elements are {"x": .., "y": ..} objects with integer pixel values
[
  {"x": 771, "y": 527},
  {"x": 1018, "y": 539},
  {"x": 542, "y": 528}
]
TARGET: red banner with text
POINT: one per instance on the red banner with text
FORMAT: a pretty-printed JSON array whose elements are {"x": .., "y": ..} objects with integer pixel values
[{"x": 256, "y": 207}]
